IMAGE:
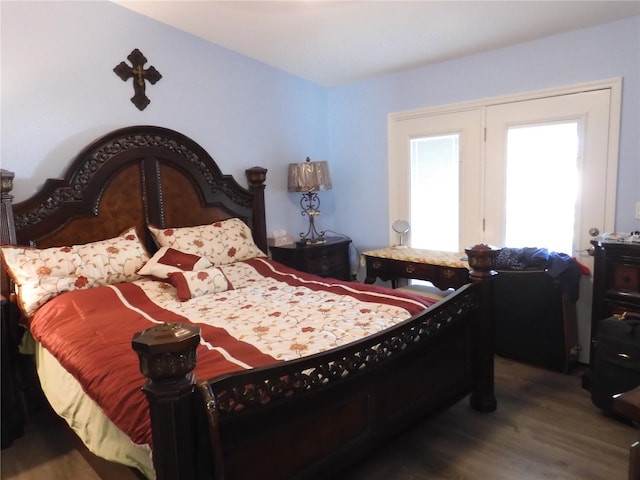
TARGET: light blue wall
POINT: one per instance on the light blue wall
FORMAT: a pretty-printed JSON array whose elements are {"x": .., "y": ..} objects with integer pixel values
[
  {"x": 358, "y": 113},
  {"x": 59, "y": 93}
]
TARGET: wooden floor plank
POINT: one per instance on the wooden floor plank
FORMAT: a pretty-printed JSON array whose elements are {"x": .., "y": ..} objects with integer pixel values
[{"x": 545, "y": 428}]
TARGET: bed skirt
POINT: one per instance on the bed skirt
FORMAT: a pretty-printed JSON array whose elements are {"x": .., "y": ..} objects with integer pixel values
[{"x": 84, "y": 416}]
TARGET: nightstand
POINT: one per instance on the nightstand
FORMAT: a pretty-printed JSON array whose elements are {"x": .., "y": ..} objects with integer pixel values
[
  {"x": 12, "y": 409},
  {"x": 328, "y": 259}
]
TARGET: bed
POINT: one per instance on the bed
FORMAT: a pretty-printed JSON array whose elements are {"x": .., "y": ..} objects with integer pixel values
[{"x": 272, "y": 414}]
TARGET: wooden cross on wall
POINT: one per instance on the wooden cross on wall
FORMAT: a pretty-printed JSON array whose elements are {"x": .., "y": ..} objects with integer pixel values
[{"x": 139, "y": 74}]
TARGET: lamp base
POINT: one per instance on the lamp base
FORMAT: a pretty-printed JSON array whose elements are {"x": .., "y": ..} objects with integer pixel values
[
  {"x": 310, "y": 204},
  {"x": 308, "y": 241}
]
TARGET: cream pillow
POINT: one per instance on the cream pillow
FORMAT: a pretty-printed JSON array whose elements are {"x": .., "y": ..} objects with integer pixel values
[
  {"x": 42, "y": 274},
  {"x": 115, "y": 260},
  {"x": 221, "y": 242}
]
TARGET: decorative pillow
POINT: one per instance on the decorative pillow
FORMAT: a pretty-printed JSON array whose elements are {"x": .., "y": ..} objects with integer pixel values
[
  {"x": 221, "y": 242},
  {"x": 115, "y": 260},
  {"x": 193, "y": 284},
  {"x": 41, "y": 274},
  {"x": 167, "y": 260}
]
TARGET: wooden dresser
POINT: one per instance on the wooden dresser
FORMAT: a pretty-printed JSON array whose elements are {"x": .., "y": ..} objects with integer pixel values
[{"x": 616, "y": 281}]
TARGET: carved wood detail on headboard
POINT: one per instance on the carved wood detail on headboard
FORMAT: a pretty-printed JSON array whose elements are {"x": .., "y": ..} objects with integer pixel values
[{"x": 138, "y": 176}]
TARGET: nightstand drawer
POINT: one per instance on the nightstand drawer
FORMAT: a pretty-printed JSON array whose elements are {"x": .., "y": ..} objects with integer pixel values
[{"x": 329, "y": 262}]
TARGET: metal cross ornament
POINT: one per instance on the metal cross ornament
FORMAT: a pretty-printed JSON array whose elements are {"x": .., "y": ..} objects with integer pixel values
[{"x": 139, "y": 74}]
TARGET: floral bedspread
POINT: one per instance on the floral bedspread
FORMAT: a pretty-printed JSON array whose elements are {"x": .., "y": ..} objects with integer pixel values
[
  {"x": 271, "y": 313},
  {"x": 289, "y": 315}
]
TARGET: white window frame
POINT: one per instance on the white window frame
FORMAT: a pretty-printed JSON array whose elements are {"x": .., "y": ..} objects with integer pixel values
[{"x": 399, "y": 165}]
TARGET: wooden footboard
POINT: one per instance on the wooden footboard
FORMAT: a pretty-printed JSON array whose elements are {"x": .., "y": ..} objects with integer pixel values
[{"x": 311, "y": 417}]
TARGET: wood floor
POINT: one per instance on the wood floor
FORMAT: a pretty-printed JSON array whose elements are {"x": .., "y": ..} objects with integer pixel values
[{"x": 545, "y": 428}]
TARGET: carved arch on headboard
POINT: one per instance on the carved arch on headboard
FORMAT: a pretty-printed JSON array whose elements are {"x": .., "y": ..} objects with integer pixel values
[{"x": 136, "y": 176}]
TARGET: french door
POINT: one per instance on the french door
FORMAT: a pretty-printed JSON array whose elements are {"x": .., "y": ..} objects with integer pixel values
[
  {"x": 413, "y": 196},
  {"x": 547, "y": 180},
  {"x": 536, "y": 170},
  {"x": 546, "y": 172}
]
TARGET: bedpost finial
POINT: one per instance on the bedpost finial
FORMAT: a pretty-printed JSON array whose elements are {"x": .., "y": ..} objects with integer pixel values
[
  {"x": 6, "y": 184},
  {"x": 256, "y": 175},
  {"x": 482, "y": 259},
  {"x": 7, "y": 223},
  {"x": 167, "y": 352}
]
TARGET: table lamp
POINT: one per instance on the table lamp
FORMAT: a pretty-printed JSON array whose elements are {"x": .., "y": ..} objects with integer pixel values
[{"x": 310, "y": 177}]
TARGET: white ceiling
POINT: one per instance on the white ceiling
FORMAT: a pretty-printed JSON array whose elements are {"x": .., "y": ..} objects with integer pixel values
[{"x": 336, "y": 42}]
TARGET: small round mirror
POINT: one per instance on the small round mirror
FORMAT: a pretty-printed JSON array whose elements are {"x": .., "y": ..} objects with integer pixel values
[{"x": 401, "y": 227}]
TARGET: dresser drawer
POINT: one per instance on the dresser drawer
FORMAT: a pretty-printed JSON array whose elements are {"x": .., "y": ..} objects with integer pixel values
[
  {"x": 625, "y": 278},
  {"x": 378, "y": 267},
  {"x": 390, "y": 269},
  {"x": 616, "y": 307},
  {"x": 444, "y": 277}
]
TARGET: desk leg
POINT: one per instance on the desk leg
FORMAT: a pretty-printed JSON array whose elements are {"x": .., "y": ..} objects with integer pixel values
[{"x": 634, "y": 461}]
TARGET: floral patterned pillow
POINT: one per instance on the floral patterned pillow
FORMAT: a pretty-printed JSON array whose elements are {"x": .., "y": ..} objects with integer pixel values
[
  {"x": 115, "y": 260},
  {"x": 221, "y": 242},
  {"x": 167, "y": 260},
  {"x": 194, "y": 284},
  {"x": 41, "y": 274}
]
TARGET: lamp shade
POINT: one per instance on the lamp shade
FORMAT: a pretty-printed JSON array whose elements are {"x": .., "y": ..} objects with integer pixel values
[{"x": 309, "y": 176}]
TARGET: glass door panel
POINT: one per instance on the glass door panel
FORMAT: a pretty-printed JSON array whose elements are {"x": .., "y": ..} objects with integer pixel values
[
  {"x": 435, "y": 192},
  {"x": 541, "y": 187}
]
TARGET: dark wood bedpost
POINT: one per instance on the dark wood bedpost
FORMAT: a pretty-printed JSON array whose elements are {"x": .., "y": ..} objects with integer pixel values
[
  {"x": 482, "y": 260},
  {"x": 167, "y": 355},
  {"x": 256, "y": 177},
  {"x": 7, "y": 226}
]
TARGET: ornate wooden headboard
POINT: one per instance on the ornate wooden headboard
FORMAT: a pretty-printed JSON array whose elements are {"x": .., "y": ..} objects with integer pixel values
[{"x": 134, "y": 176}]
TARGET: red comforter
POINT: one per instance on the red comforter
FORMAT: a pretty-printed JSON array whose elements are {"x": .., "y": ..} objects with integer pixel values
[{"x": 90, "y": 332}]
